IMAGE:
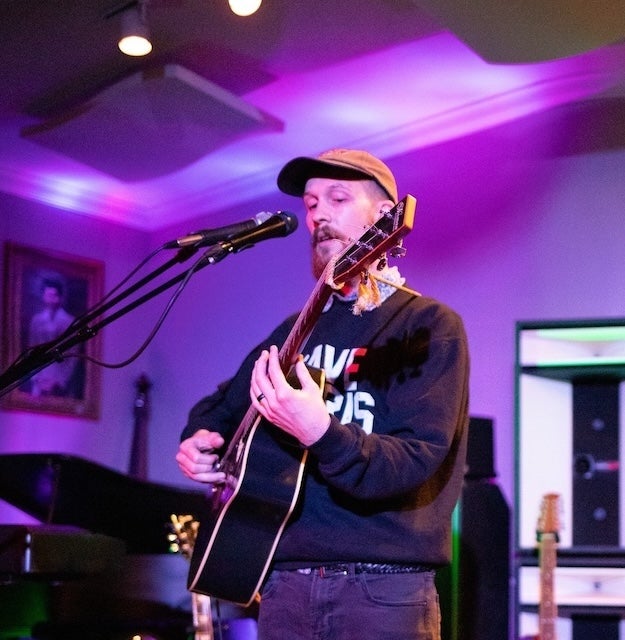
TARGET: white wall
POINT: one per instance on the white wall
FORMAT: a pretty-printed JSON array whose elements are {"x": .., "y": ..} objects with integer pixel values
[{"x": 509, "y": 227}]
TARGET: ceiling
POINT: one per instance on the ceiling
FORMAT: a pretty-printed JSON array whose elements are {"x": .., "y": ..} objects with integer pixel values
[{"x": 208, "y": 118}]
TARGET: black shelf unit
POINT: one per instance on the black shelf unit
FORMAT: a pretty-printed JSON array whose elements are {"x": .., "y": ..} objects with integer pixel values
[{"x": 569, "y": 441}]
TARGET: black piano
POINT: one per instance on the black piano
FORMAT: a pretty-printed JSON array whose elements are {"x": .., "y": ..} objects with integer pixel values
[
  {"x": 68, "y": 490},
  {"x": 98, "y": 565}
]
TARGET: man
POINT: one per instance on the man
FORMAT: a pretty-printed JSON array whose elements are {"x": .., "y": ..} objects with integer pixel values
[
  {"x": 386, "y": 448},
  {"x": 46, "y": 325}
]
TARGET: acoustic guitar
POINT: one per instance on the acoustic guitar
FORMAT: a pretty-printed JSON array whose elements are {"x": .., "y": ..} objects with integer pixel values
[{"x": 264, "y": 467}]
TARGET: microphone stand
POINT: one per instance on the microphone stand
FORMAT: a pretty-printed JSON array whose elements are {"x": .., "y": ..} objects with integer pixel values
[{"x": 81, "y": 330}]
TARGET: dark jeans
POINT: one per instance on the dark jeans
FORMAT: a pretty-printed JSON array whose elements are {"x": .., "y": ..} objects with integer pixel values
[{"x": 296, "y": 606}]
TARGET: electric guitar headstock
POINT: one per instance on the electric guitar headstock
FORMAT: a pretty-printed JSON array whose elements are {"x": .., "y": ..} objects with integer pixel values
[
  {"x": 183, "y": 534},
  {"x": 549, "y": 516}
]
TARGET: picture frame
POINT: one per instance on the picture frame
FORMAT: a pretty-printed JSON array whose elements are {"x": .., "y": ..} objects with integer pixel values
[{"x": 44, "y": 291}]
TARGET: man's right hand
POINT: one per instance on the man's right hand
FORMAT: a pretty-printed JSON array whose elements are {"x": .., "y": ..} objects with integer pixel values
[{"x": 197, "y": 459}]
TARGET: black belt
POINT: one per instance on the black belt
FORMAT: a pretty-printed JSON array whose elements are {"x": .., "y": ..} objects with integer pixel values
[{"x": 345, "y": 568}]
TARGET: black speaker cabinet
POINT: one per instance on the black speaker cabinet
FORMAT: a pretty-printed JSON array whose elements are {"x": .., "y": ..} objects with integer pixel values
[{"x": 475, "y": 592}]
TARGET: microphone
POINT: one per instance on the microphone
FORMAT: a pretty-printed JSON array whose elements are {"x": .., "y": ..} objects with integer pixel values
[
  {"x": 207, "y": 237},
  {"x": 278, "y": 225}
]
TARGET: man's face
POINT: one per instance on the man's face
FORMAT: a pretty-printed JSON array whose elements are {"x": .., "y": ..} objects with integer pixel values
[
  {"x": 337, "y": 212},
  {"x": 51, "y": 297}
]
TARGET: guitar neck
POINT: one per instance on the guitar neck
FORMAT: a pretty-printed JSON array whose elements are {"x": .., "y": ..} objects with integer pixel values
[
  {"x": 304, "y": 324},
  {"x": 547, "y": 608},
  {"x": 202, "y": 617},
  {"x": 184, "y": 536},
  {"x": 290, "y": 349}
]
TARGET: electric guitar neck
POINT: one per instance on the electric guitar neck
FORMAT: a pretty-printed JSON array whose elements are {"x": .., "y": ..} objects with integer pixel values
[
  {"x": 548, "y": 536},
  {"x": 182, "y": 539}
]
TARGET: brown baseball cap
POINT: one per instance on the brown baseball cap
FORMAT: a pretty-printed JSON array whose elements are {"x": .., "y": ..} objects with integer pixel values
[{"x": 343, "y": 164}]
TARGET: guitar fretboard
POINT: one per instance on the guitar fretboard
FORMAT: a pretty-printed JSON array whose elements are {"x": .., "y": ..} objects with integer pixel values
[
  {"x": 288, "y": 354},
  {"x": 547, "y": 608}
]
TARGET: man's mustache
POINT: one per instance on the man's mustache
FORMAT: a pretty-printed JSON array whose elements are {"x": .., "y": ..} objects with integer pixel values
[{"x": 325, "y": 232}]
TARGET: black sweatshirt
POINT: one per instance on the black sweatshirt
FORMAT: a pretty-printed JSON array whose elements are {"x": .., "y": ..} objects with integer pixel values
[{"x": 381, "y": 484}]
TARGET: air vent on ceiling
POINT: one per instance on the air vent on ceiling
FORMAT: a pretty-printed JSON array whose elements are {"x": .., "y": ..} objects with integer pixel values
[{"x": 150, "y": 124}]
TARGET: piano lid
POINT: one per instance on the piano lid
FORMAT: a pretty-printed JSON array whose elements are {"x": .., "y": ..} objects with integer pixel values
[{"x": 63, "y": 489}]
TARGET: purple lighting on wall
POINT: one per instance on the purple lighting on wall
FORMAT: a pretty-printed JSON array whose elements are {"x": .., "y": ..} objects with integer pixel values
[{"x": 410, "y": 96}]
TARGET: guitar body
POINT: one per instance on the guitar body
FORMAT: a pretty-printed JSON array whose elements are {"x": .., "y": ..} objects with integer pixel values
[
  {"x": 264, "y": 466},
  {"x": 237, "y": 538}
]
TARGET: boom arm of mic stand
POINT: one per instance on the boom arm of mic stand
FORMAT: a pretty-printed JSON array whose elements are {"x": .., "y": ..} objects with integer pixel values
[{"x": 81, "y": 331}]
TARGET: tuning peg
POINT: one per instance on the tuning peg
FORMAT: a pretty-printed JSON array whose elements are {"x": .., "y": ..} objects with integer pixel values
[{"x": 398, "y": 251}]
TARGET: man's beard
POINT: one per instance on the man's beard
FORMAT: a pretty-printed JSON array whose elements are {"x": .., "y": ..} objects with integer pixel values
[
  {"x": 318, "y": 264},
  {"x": 321, "y": 255}
]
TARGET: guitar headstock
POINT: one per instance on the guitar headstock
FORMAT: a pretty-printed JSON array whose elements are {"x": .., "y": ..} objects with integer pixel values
[
  {"x": 385, "y": 234},
  {"x": 549, "y": 516},
  {"x": 183, "y": 533}
]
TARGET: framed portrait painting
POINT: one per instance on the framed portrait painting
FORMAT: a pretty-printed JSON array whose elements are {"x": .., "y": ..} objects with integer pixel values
[{"x": 45, "y": 292}]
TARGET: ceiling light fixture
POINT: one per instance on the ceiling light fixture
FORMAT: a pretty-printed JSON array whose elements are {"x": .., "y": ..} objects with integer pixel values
[
  {"x": 135, "y": 39},
  {"x": 244, "y": 7}
]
